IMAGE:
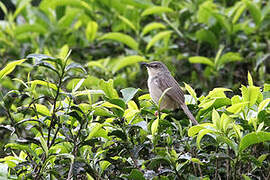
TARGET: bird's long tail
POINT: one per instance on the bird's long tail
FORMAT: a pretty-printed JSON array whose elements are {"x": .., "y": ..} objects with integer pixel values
[{"x": 189, "y": 114}]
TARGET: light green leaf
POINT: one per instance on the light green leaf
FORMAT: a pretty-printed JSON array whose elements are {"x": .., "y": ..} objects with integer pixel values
[
  {"x": 201, "y": 134},
  {"x": 151, "y": 26},
  {"x": 3, "y": 167},
  {"x": 237, "y": 107},
  {"x": 208, "y": 36},
  {"x": 253, "y": 138},
  {"x": 250, "y": 81},
  {"x": 127, "y": 61},
  {"x": 94, "y": 131},
  {"x": 216, "y": 119},
  {"x": 250, "y": 94},
  {"x": 44, "y": 5},
  {"x": 191, "y": 91},
  {"x": 26, "y": 28},
  {"x": 10, "y": 67},
  {"x": 91, "y": 31},
  {"x": 157, "y": 38},
  {"x": 154, "y": 127},
  {"x": 229, "y": 57},
  {"x": 156, "y": 10},
  {"x": 206, "y": 104},
  {"x": 44, "y": 145},
  {"x": 254, "y": 11},
  {"x": 239, "y": 11},
  {"x": 108, "y": 89},
  {"x": 263, "y": 104},
  {"x": 120, "y": 37},
  {"x": 41, "y": 109},
  {"x": 43, "y": 83},
  {"x": 230, "y": 143},
  {"x": 192, "y": 131},
  {"x": 128, "y": 22},
  {"x": 201, "y": 60},
  {"x": 128, "y": 93}
]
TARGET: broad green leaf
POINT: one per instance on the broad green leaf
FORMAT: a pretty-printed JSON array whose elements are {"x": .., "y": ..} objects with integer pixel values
[
  {"x": 196, "y": 160},
  {"x": 94, "y": 131},
  {"x": 191, "y": 91},
  {"x": 44, "y": 145},
  {"x": 229, "y": 57},
  {"x": 192, "y": 131},
  {"x": 26, "y": 28},
  {"x": 262, "y": 157},
  {"x": 151, "y": 26},
  {"x": 128, "y": 22},
  {"x": 128, "y": 93},
  {"x": 156, "y": 10},
  {"x": 263, "y": 104},
  {"x": 239, "y": 11},
  {"x": 217, "y": 93},
  {"x": 216, "y": 119},
  {"x": 4, "y": 8},
  {"x": 91, "y": 31},
  {"x": 101, "y": 111},
  {"x": 10, "y": 67},
  {"x": 201, "y": 134},
  {"x": 74, "y": 3},
  {"x": 63, "y": 51},
  {"x": 20, "y": 7},
  {"x": 136, "y": 174},
  {"x": 68, "y": 19},
  {"x": 120, "y": 37},
  {"x": 43, "y": 83},
  {"x": 127, "y": 61},
  {"x": 110, "y": 105},
  {"x": 108, "y": 89},
  {"x": 41, "y": 109},
  {"x": 254, "y": 11},
  {"x": 154, "y": 127},
  {"x": 230, "y": 143},
  {"x": 253, "y": 138},
  {"x": 237, "y": 107},
  {"x": 206, "y": 104},
  {"x": 250, "y": 81},
  {"x": 208, "y": 36},
  {"x": 201, "y": 60},
  {"x": 157, "y": 37},
  {"x": 250, "y": 94}
]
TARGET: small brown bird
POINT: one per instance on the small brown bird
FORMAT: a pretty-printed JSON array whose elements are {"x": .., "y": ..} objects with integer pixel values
[{"x": 161, "y": 79}]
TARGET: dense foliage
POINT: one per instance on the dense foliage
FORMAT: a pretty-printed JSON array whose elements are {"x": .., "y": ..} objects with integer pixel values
[{"x": 75, "y": 106}]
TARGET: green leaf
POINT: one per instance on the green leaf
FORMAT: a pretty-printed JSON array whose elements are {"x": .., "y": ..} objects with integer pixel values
[
  {"x": 154, "y": 127},
  {"x": 237, "y": 107},
  {"x": 250, "y": 81},
  {"x": 91, "y": 31},
  {"x": 191, "y": 91},
  {"x": 44, "y": 145},
  {"x": 192, "y": 131},
  {"x": 208, "y": 36},
  {"x": 43, "y": 83},
  {"x": 254, "y": 11},
  {"x": 127, "y": 61},
  {"x": 201, "y": 134},
  {"x": 107, "y": 87},
  {"x": 216, "y": 119},
  {"x": 128, "y": 22},
  {"x": 26, "y": 28},
  {"x": 3, "y": 167},
  {"x": 94, "y": 131},
  {"x": 10, "y": 67},
  {"x": 230, "y": 143},
  {"x": 250, "y": 94},
  {"x": 136, "y": 174},
  {"x": 196, "y": 160},
  {"x": 46, "y": 4},
  {"x": 157, "y": 37},
  {"x": 263, "y": 104},
  {"x": 239, "y": 11},
  {"x": 128, "y": 93},
  {"x": 151, "y": 26},
  {"x": 201, "y": 60},
  {"x": 156, "y": 10},
  {"x": 41, "y": 109},
  {"x": 253, "y": 138},
  {"x": 120, "y": 37},
  {"x": 229, "y": 57}
]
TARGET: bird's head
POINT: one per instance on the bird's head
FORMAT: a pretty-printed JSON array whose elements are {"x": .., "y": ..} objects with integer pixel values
[{"x": 155, "y": 68}]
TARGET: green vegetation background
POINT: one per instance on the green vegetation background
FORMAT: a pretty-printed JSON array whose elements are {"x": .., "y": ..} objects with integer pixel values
[{"x": 74, "y": 102}]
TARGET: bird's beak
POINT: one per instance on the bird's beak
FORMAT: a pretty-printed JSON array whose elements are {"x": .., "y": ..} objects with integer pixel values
[{"x": 144, "y": 64}]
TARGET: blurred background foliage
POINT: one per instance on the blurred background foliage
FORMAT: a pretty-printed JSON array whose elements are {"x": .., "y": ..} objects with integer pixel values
[{"x": 204, "y": 43}]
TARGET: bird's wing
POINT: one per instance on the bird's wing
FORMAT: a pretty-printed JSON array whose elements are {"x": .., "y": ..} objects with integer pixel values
[{"x": 166, "y": 81}]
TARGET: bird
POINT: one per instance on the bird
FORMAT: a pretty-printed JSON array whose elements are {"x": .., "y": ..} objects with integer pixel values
[{"x": 159, "y": 80}]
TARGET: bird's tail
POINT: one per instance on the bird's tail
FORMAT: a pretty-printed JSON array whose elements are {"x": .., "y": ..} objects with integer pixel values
[{"x": 189, "y": 114}]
